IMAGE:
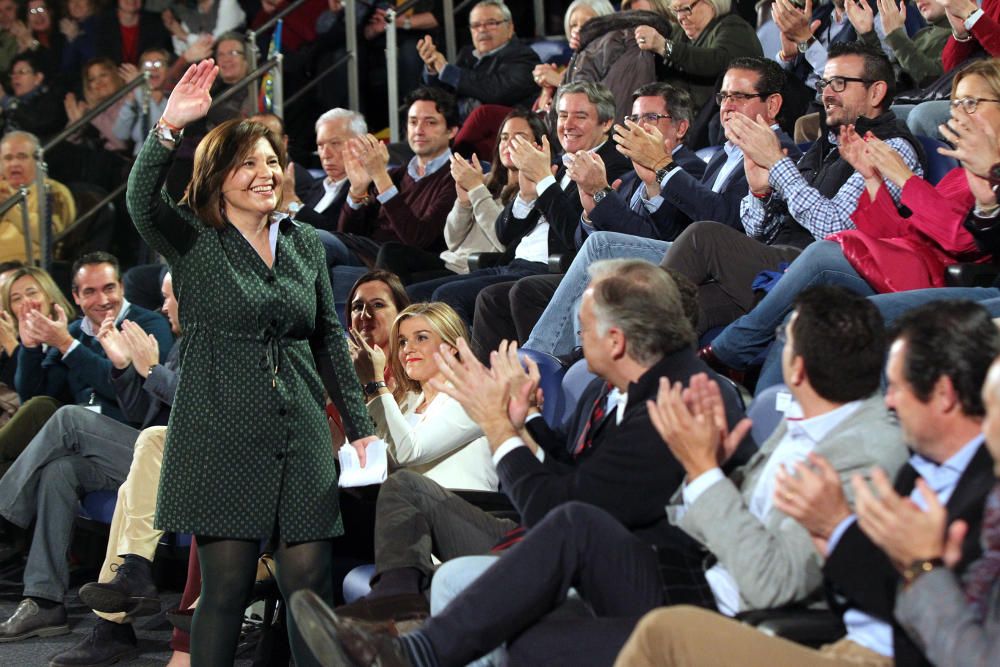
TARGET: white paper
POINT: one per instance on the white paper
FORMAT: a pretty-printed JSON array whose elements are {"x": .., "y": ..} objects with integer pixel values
[{"x": 376, "y": 465}]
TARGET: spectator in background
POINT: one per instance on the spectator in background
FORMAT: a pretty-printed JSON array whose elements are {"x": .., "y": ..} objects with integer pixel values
[
  {"x": 8, "y": 42},
  {"x": 548, "y": 76},
  {"x": 126, "y": 31},
  {"x": 407, "y": 204},
  {"x": 101, "y": 80},
  {"x": 495, "y": 69},
  {"x": 411, "y": 26},
  {"x": 133, "y": 123},
  {"x": 79, "y": 27},
  {"x": 188, "y": 23},
  {"x": 38, "y": 32},
  {"x": 698, "y": 49},
  {"x": 471, "y": 224},
  {"x": 17, "y": 155},
  {"x": 31, "y": 106}
]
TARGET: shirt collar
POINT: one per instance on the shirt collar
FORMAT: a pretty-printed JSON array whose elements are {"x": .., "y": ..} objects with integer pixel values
[
  {"x": 333, "y": 186},
  {"x": 955, "y": 466},
  {"x": 87, "y": 327},
  {"x": 480, "y": 56},
  {"x": 816, "y": 428},
  {"x": 431, "y": 167}
]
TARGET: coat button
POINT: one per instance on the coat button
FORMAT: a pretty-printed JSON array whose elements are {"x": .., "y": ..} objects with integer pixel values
[
  {"x": 282, "y": 412},
  {"x": 274, "y": 323},
  {"x": 279, "y": 456},
  {"x": 269, "y": 278}
]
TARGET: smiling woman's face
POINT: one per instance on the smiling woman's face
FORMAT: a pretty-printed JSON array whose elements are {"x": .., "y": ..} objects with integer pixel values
[
  {"x": 418, "y": 342},
  {"x": 372, "y": 312}
]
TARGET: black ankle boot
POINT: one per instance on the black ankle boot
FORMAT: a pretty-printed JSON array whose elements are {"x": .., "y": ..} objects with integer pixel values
[{"x": 132, "y": 591}]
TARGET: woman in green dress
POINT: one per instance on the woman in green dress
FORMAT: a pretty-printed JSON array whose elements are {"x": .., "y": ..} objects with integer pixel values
[{"x": 248, "y": 454}]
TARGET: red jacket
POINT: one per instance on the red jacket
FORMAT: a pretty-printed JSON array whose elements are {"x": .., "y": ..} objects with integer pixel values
[
  {"x": 894, "y": 253},
  {"x": 299, "y": 27},
  {"x": 986, "y": 32}
]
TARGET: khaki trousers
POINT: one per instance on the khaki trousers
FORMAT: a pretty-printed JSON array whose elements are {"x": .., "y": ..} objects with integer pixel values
[
  {"x": 679, "y": 636},
  {"x": 132, "y": 529}
]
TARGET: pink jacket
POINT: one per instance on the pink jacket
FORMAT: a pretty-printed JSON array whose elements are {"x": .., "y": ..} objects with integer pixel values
[{"x": 894, "y": 253}]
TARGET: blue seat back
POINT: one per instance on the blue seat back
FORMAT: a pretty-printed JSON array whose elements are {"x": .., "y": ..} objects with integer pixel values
[
  {"x": 552, "y": 51},
  {"x": 764, "y": 413},
  {"x": 552, "y": 371},
  {"x": 576, "y": 379},
  {"x": 937, "y": 165}
]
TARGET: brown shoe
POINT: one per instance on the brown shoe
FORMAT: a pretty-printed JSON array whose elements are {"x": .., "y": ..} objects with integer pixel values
[
  {"x": 344, "y": 642},
  {"x": 402, "y": 607}
]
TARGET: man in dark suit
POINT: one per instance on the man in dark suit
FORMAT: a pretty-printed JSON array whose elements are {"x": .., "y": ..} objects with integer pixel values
[
  {"x": 127, "y": 31},
  {"x": 610, "y": 456},
  {"x": 749, "y": 88},
  {"x": 495, "y": 69},
  {"x": 321, "y": 200},
  {"x": 543, "y": 218},
  {"x": 936, "y": 369}
]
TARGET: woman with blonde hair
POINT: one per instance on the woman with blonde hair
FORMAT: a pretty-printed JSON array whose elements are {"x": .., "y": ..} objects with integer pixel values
[
  {"x": 425, "y": 430},
  {"x": 101, "y": 80},
  {"x": 24, "y": 289}
]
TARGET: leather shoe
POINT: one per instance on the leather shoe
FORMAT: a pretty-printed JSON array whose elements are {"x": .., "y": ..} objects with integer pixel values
[
  {"x": 344, "y": 642},
  {"x": 30, "y": 620},
  {"x": 131, "y": 591},
  {"x": 707, "y": 355},
  {"x": 106, "y": 644},
  {"x": 402, "y": 607}
]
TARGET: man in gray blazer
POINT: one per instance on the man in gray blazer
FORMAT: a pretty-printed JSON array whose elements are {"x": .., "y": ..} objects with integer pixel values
[{"x": 764, "y": 558}]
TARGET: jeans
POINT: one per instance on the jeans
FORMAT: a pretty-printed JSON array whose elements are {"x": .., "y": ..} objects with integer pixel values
[
  {"x": 555, "y": 332},
  {"x": 460, "y": 291},
  {"x": 893, "y": 306},
  {"x": 923, "y": 119},
  {"x": 821, "y": 263}
]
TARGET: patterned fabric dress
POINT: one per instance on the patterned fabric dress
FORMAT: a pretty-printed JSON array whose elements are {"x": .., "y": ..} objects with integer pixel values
[{"x": 248, "y": 447}]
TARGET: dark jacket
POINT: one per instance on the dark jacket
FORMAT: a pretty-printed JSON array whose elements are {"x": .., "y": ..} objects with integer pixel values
[
  {"x": 627, "y": 471},
  {"x": 147, "y": 400},
  {"x": 311, "y": 195},
  {"x": 152, "y": 35},
  {"x": 504, "y": 77},
  {"x": 85, "y": 373},
  {"x": 862, "y": 573},
  {"x": 561, "y": 208},
  {"x": 824, "y": 170}
]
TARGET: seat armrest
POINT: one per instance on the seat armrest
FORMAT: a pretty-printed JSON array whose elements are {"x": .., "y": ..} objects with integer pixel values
[
  {"x": 482, "y": 260},
  {"x": 971, "y": 275},
  {"x": 811, "y": 627},
  {"x": 559, "y": 263}
]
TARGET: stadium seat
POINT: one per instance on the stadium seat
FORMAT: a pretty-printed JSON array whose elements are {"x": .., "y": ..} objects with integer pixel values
[
  {"x": 552, "y": 51},
  {"x": 764, "y": 413},
  {"x": 937, "y": 165},
  {"x": 552, "y": 372}
]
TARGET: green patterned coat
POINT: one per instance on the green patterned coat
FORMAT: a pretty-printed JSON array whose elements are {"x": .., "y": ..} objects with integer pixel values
[{"x": 248, "y": 446}]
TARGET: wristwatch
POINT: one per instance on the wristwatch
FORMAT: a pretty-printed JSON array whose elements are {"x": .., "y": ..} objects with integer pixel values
[
  {"x": 407, "y": 23},
  {"x": 602, "y": 193},
  {"x": 920, "y": 567},
  {"x": 165, "y": 132},
  {"x": 668, "y": 50},
  {"x": 662, "y": 172},
  {"x": 372, "y": 387},
  {"x": 993, "y": 176},
  {"x": 803, "y": 46}
]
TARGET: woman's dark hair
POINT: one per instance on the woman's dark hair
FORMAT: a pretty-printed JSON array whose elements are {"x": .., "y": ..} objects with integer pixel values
[
  {"x": 496, "y": 180},
  {"x": 399, "y": 296},
  {"x": 218, "y": 154}
]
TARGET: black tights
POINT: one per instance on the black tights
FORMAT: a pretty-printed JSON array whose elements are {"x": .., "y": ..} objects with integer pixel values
[{"x": 228, "y": 568}]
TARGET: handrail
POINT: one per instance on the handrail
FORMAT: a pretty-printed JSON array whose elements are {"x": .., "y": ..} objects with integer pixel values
[
  {"x": 316, "y": 80},
  {"x": 268, "y": 24},
  {"x": 21, "y": 197},
  {"x": 76, "y": 126},
  {"x": 110, "y": 197}
]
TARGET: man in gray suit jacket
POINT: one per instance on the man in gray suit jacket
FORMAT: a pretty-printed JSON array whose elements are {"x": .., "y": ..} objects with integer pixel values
[{"x": 735, "y": 520}]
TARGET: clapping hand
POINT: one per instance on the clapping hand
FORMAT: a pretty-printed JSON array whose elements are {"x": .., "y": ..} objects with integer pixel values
[
  {"x": 893, "y": 17},
  {"x": 142, "y": 346},
  {"x": 813, "y": 496},
  {"x": 190, "y": 98},
  {"x": 756, "y": 139},
  {"x": 51, "y": 331},
  {"x": 692, "y": 422},
  {"x": 901, "y": 529},
  {"x": 8, "y": 332},
  {"x": 466, "y": 175},
  {"x": 974, "y": 141},
  {"x": 115, "y": 346},
  {"x": 533, "y": 162},
  {"x": 860, "y": 14},
  {"x": 890, "y": 163},
  {"x": 483, "y": 394},
  {"x": 852, "y": 149},
  {"x": 433, "y": 59},
  {"x": 643, "y": 145},
  {"x": 74, "y": 108},
  {"x": 525, "y": 396}
]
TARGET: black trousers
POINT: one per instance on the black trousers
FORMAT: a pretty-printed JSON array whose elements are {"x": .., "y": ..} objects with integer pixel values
[
  {"x": 576, "y": 545},
  {"x": 412, "y": 265},
  {"x": 510, "y": 310}
]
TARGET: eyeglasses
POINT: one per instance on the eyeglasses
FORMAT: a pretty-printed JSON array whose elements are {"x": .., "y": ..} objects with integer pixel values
[
  {"x": 687, "y": 10},
  {"x": 838, "y": 83},
  {"x": 23, "y": 72},
  {"x": 38, "y": 10},
  {"x": 970, "y": 104},
  {"x": 152, "y": 64},
  {"x": 647, "y": 117},
  {"x": 740, "y": 98},
  {"x": 492, "y": 24},
  {"x": 234, "y": 52}
]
